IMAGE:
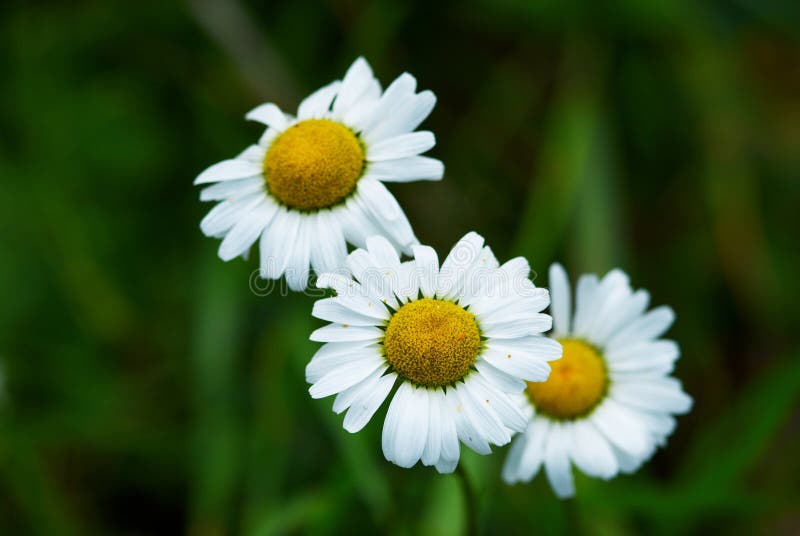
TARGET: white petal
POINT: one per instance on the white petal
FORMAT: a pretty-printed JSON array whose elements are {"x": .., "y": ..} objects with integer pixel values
[
  {"x": 276, "y": 242},
  {"x": 510, "y": 414},
  {"x": 484, "y": 418},
  {"x": 511, "y": 309},
  {"x": 226, "y": 214},
  {"x": 356, "y": 222},
  {"x": 412, "y": 429},
  {"x": 297, "y": 267},
  {"x": 411, "y": 426},
  {"x": 401, "y": 146},
  {"x": 407, "y": 115},
  {"x": 270, "y": 115},
  {"x": 466, "y": 430},
  {"x": 433, "y": 443},
  {"x": 346, "y": 375},
  {"x": 561, "y": 304},
  {"x": 556, "y": 463},
  {"x": 372, "y": 277},
  {"x": 413, "y": 168},
  {"x": 663, "y": 394},
  {"x": 507, "y": 383},
  {"x": 534, "y": 325},
  {"x": 621, "y": 428},
  {"x": 511, "y": 467},
  {"x": 532, "y": 454},
  {"x": 384, "y": 209},
  {"x": 318, "y": 104},
  {"x": 397, "y": 406},
  {"x": 462, "y": 258},
  {"x": 355, "y": 84},
  {"x": 383, "y": 252},
  {"x": 518, "y": 364},
  {"x": 334, "y": 354},
  {"x": 345, "y": 332},
  {"x": 590, "y": 450},
  {"x": 332, "y": 310},
  {"x": 392, "y": 100},
  {"x": 229, "y": 170},
  {"x": 247, "y": 230},
  {"x": 365, "y": 406},
  {"x": 329, "y": 249},
  {"x": 346, "y": 398},
  {"x": 627, "y": 312},
  {"x": 642, "y": 356},
  {"x": 232, "y": 189},
  {"x": 448, "y": 433},
  {"x": 650, "y": 326},
  {"x": 427, "y": 268},
  {"x": 585, "y": 292}
]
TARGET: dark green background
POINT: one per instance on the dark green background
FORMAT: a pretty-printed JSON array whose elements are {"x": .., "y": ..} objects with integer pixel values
[{"x": 149, "y": 391}]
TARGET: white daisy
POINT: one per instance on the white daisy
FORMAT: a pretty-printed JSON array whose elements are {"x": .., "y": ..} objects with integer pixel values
[
  {"x": 609, "y": 401},
  {"x": 314, "y": 181},
  {"x": 459, "y": 341}
]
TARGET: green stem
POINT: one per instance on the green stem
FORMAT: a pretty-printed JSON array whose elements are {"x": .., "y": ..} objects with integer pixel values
[{"x": 470, "y": 502}]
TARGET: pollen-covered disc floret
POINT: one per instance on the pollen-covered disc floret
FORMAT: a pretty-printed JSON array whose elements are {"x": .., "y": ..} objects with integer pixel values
[
  {"x": 610, "y": 400},
  {"x": 431, "y": 342},
  {"x": 459, "y": 340},
  {"x": 314, "y": 181},
  {"x": 576, "y": 384},
  {"x": 313, "y": 164}
]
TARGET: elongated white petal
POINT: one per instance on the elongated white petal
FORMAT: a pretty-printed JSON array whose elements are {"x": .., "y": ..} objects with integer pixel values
[
  {"x": 662, "y": 394},
  {"x": 402, "y": 146},
  {"x": 345, "y": 332},
  {"x": 332, "y": 310},
  {"x": 355, "y": 84},
  {"x": 413, "y": 168},
  {"x": 384, "y": 209},
  {"x": 328, "y": 246},
  {"x": 275, "y": 241},
  {"x": 226, "y": 214},
  {"x": 335, "y": 354},
  {"x": 247, "y": 230},
  {"x": 531, "y": 455},
  {"x": 229, "y": 170},
  {"x": 346, "y": 375},
  {"x": 232, "y": 189},
  {"x": 650, "y": 326},
  {"x": 590, "y": 450},
  {"x": 462, "y": 258},
  {"x": 561, "y": 300},
  {"x": 433, "y": 444},
  {"x": 298, "y": 265},
  {"x": 318, "y": 104},
  {"x": 556, "y": 462},
  {"x": 406, "y": 116},
  {"x": 366, "y": 405},
  {"x": 270, "y": 115}
]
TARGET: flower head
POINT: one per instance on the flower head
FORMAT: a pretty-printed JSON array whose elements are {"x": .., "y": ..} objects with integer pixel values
[
  {"x": 314, "y": 181},
  {"x": 459, "y": 341},
  {"x": 609, "y": 401}
]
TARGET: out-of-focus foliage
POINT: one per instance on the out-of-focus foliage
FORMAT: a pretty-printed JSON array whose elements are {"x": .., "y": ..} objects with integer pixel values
[{"x": 147, "y": 390}]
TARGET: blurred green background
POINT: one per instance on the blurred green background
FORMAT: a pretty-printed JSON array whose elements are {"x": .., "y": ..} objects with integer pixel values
[{"x": 147, "y": 390}]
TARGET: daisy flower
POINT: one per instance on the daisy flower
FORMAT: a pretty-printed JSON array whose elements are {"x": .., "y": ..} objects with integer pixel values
[
  {"x": 315, "y": 180},
  {"x": 458, "y": 342},
  {"x": 609, "y": 401}
]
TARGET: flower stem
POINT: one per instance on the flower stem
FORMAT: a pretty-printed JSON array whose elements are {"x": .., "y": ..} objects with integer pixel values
[{"x": 470, "y": 502}]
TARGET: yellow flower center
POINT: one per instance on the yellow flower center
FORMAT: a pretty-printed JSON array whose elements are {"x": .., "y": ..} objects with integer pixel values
[
  {"x": 432, "y": 342},
  {"x": 577, "y": 382},
  {"x": 313, "y": 164}
]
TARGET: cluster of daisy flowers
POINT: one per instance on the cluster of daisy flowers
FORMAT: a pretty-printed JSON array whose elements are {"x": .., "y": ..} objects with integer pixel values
[{"x": 460, "y": 352}]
